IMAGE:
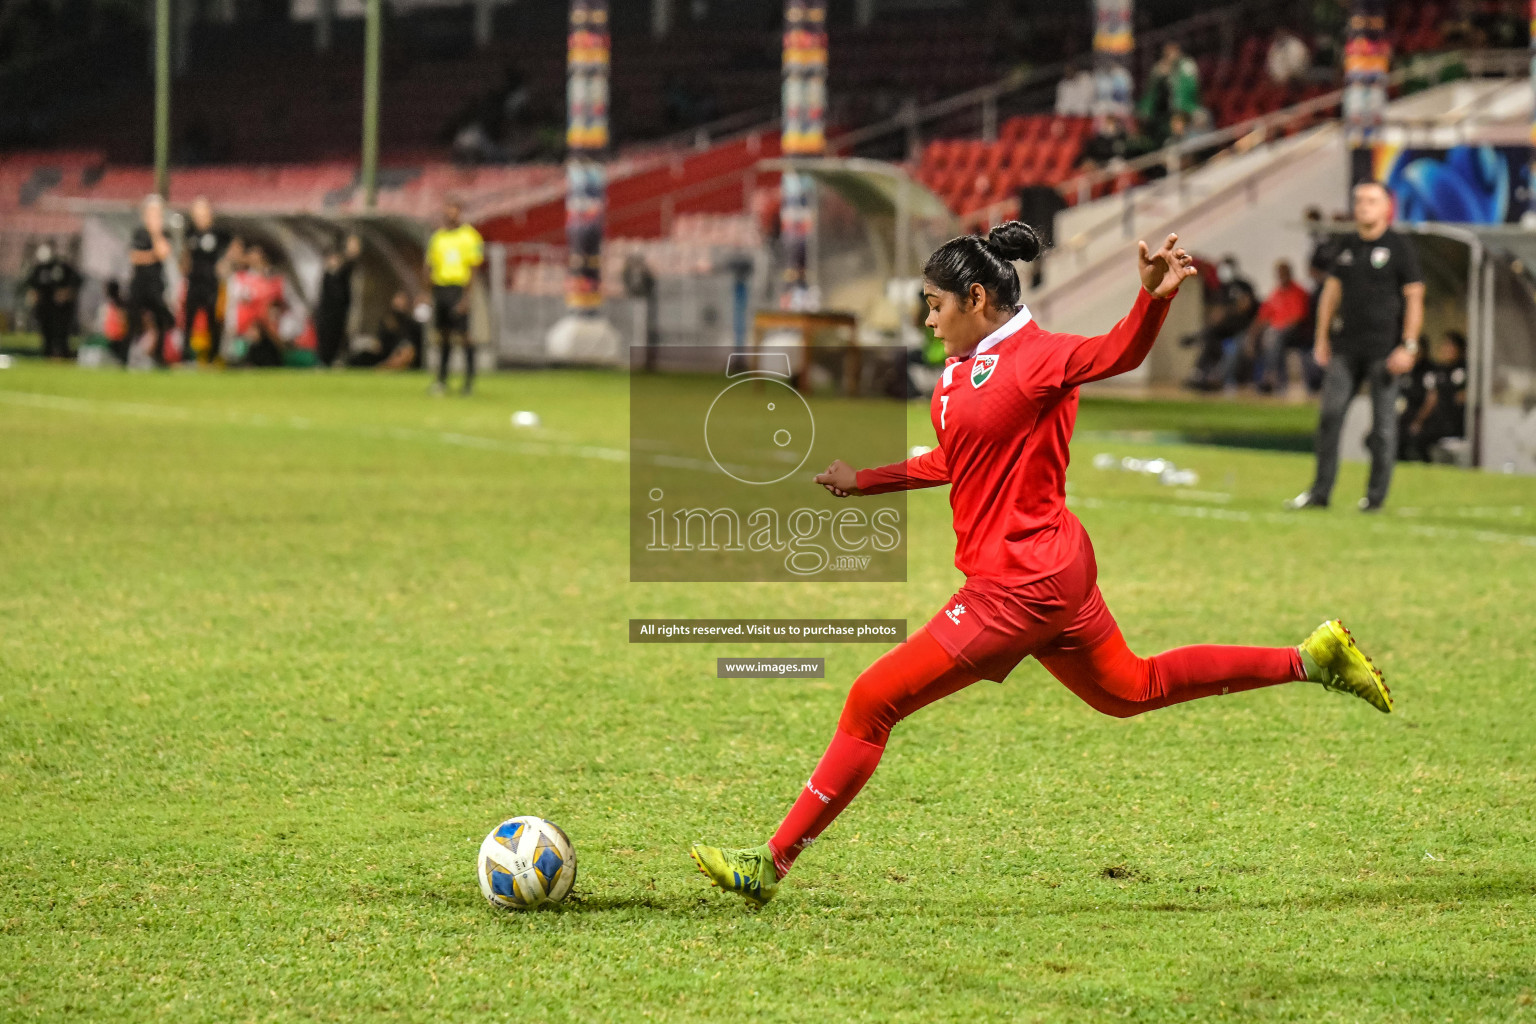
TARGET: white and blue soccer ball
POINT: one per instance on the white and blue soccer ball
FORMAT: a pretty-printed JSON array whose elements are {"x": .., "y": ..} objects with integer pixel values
[{"x": 526, "y": 862}]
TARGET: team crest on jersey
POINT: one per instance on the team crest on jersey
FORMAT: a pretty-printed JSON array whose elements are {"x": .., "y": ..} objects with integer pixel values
[
  {"x": 1379, "y": 256},
  {"x": 981, "y": 369}
]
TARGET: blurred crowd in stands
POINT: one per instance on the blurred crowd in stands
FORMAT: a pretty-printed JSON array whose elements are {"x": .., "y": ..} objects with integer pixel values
[{"x": 1170, "y": 108}]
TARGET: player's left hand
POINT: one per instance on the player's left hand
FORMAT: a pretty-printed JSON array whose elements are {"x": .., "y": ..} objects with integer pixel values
[
  {"x": 1399, "y": 361},
  {"x": 1164, "y": 270}
]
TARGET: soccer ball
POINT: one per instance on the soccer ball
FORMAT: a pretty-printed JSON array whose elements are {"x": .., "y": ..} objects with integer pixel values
[{"x": 525, "y": 862}]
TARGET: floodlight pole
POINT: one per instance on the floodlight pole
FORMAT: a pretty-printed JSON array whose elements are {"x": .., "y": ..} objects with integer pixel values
[
  {"x": 370, "y": 169},
  {"x": 163, "y": 98}
]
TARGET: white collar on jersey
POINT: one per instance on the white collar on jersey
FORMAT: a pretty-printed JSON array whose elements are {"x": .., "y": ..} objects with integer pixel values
[{"x": 1013, "y": 326}]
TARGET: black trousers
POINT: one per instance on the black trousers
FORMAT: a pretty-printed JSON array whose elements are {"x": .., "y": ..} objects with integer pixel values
[
  {"x": 445, "y": 349},
  {"x": 1341, "y": 380},
  {"x": 147, "y": 301},
  {"x": 203, "y": 297},
  {"x": 452, "y": 326},
  {"x": 264, "y": 351},
  {"x": 53, "y": 323},
  {"x": 331, "y": 335}
]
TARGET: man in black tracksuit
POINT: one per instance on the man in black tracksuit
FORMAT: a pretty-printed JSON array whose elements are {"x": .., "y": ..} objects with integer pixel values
[
  {"x": 204, "y": 267},
  {"x": 147, "y": 252},
  {"x": 1368, "y": 322},
  {"x": 335, "y": 304},
  {"x": 52, "y": 288}
]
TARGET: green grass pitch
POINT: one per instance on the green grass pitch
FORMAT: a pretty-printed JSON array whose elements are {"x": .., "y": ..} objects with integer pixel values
[{"x": 277, "y": 651}]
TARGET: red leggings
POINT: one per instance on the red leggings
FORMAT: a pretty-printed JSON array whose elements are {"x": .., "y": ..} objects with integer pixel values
[{"x": 1107, "y": 676}]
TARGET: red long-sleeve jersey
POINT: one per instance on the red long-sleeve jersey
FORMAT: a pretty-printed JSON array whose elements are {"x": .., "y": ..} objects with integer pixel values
[{"x": 1004, "y": 416}]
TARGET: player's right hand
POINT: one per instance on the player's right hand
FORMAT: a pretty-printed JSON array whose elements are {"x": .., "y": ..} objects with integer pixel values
[{"x": 840, "y": 478}]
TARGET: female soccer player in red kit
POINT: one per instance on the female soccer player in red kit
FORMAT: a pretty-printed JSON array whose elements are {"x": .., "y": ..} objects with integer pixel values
[{"x": 1004, "y": 410}]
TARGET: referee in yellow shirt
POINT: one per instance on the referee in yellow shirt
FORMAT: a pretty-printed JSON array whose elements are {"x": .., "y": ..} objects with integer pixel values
[{"x": 455, "y": 254}]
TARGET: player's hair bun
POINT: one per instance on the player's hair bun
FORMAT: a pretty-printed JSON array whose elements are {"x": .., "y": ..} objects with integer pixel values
[
  {"x": 987, "y": 261},
  {"x": 1015, "y": 240}
]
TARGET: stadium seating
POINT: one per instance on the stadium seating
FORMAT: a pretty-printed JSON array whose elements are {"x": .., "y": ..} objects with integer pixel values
[
  {"x": 34, "y": 183},
  {"x": 721, "y": 180},
  {"x": 241, "y": 110},
  {"x": 1035, "y": 149},
  {"x": 1041, "y": 149}
]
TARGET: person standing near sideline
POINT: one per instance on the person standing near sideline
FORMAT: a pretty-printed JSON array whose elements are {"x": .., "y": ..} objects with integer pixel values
[
  {"x": 455, "y": 254},
  {"x": 335, "y": 304},
  {"x": 1376, "y": 291},
  {"x": 148, "y": 250},
  {"x": 52, "y": 287},
  {"x": 205, "y": 265}
]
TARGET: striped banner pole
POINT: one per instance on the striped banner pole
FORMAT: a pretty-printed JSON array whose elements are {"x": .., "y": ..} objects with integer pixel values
[
  {"x": 1113, "y": 40},
  {"x": 586, "y": 143},
  {"x": 803, "y": 133},
  {"x": 1530, "y": 185},
  {"x": 1367, "y": 59}
]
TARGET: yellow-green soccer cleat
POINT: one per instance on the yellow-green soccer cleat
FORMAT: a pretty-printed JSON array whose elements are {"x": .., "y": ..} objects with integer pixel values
[
  {"x": 1331, "y": 658},
  {"x": 748, "y": 872}
]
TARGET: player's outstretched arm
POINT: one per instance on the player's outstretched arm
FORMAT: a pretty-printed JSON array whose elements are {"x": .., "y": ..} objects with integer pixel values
[
  {"x": 926, "y": 470},
  {"x": 1129, "y": 341}
]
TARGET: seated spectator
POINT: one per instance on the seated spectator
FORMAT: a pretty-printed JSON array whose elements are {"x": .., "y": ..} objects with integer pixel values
[
  {"x": 1460, "y": 32},
  {"x": 1075, "y": 92},
  {"x": 1288, "y": 58},
  {"x": 400, "y": 338},
  {"x": 1110, "y": 142},
  {"x": 1230, "y": 310},
  {"x": 1325, "y": 244},
  {"x": 1328, "y": 18},
  {"x": 1173, "y": 87},
  {"x": 1276, "y": 329},
  {"x": 1112, "y": 90},
  {"x": 1437, "y": 399},
  {"x": 259, "y": 309},
  {"x": 1504, "y": 24},
  {"x": 472, "y": 144}
]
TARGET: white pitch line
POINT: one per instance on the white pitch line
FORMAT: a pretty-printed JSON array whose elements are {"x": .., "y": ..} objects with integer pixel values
[
  {"x": 182, "y": 414},
  {"x": 89, "y": 405},
  {"x": 544, "y": 449},
  {"x": 1302, "y": 518}
]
